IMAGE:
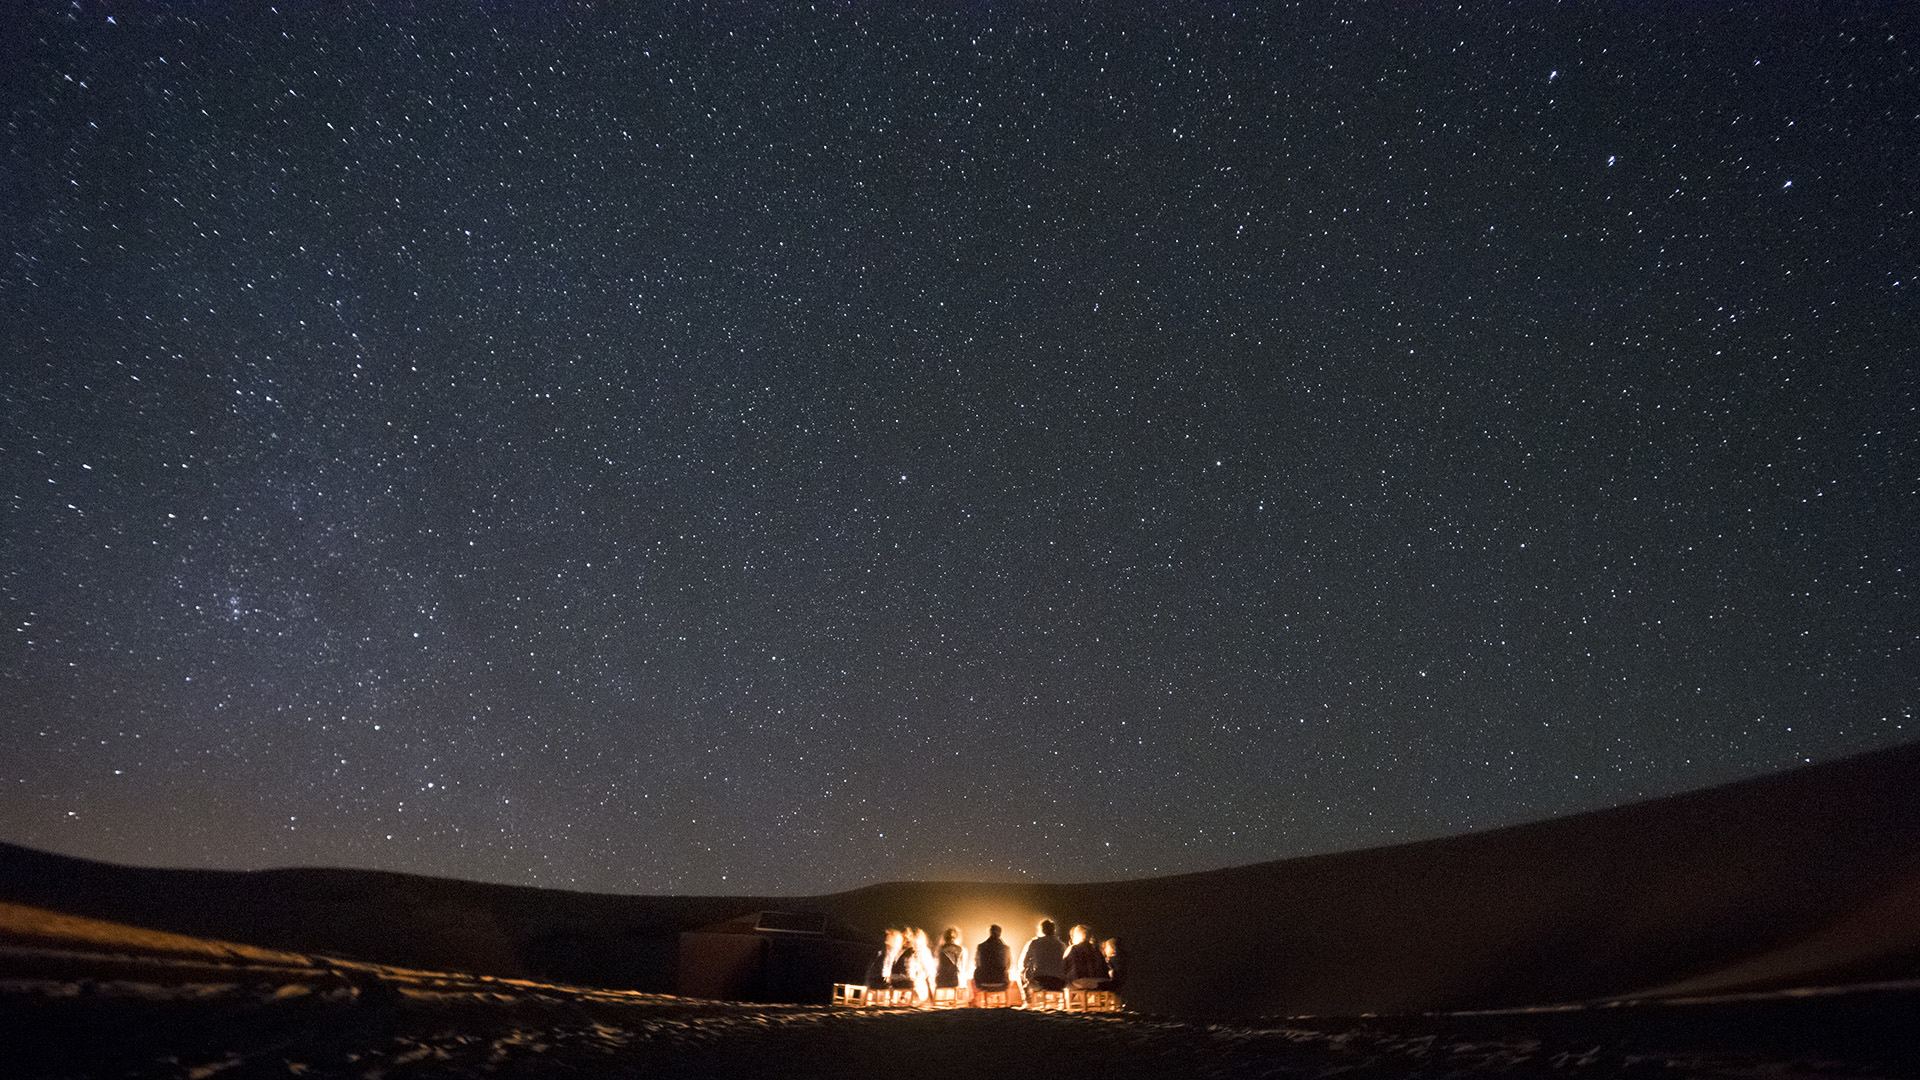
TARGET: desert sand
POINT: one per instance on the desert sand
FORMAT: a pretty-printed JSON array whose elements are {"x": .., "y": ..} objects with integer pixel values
[
  {"x": 83, "y": 999},
  {"x": 1770, "y": 926}
]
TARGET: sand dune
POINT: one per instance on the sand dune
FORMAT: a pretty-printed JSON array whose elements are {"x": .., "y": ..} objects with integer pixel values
[
  {"x": 86, "y": 998},
  {"x": 1811, "y": 876},
  {"x": 617, "y": 941}
]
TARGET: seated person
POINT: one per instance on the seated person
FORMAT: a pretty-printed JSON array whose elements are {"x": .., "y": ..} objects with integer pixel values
[
  {"x": 946, "y": 970},
  {"x": 1084, "y": 967},
  {"x": 1116, "y": 965},
  {"x": 990, "y": 962},
  {"x": 914, "y": 972},
  {"x": 1041, "y": 965},
  {"x": 891, "y": 968}
]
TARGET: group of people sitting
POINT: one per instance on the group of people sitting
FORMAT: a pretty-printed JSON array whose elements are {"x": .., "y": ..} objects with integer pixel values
[{"x": 908, "y": 962}]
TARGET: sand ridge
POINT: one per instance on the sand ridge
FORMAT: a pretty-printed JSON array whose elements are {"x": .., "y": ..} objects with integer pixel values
[
  {"x": 1804, "y": 877},
  {"x": 203, "y": 1012}
]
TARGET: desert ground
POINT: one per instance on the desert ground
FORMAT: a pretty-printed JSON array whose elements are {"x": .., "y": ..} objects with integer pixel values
[
  {"x": 1766, "y": 928},
  {"x": 119, "y": 1002}
]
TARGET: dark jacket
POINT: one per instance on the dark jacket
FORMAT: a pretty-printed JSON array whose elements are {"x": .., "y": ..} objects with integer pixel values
[
  {"x": 946, "y": 970},
  {"x": 900, "y": 975},
  {"x": 990, "y": 962},
  {"x": 1084, "y": 961}
]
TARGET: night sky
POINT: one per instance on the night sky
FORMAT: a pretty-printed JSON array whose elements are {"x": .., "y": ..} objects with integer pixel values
[{"x": 772, "y": 448}]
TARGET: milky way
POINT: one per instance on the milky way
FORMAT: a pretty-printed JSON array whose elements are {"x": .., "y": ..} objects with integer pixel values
[{"x": 765, "y": 449}]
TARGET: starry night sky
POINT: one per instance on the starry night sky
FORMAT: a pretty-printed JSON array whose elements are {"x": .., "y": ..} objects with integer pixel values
[{"x": 764, "y": 448}]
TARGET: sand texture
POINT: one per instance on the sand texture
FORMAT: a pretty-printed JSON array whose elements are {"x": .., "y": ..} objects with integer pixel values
[
  {"x": 193, "y": 1013},
  {"x": 1770, "y": 927},
  {"x": 1803, "y": 878}
]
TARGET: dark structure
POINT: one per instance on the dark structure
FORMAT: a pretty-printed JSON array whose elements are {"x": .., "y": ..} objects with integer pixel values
[{"x": 768, "y": 956}]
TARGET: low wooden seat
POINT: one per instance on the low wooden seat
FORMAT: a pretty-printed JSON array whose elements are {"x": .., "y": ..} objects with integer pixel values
[
  {"x": 850, "y": 995},
  {"x": 1045, "y": 999},
  {"x": 950, "y": 997},
  {"x": 1080, "y": 999},
  {"x": 896, "y": 997},
  {"x": 999, "y": 997}
]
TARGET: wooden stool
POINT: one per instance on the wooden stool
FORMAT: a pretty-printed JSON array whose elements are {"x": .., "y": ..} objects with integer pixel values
[
  {"x": 1046, "y": 999},
  {"x": 993, "y": 999},
  {"x": 1082, "y": 999},
  {"x": 949, "y": 997},
  {"x": 850, "y": 995}
]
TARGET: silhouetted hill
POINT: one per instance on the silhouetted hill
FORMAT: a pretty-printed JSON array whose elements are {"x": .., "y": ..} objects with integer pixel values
[
  {"x": 1809, "y": 876},
  {"x": 628, "y": 942}
]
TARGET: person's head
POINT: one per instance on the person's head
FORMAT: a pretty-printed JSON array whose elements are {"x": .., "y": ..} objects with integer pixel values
[
  {"x": 894, "y": 938},
  {"x": 951, "y": 937},
  {"x": 1080, "y": 934},
  {"x": 993, "y": 931},
  {"x": 1046, "y": 927},
  {"x": 1110, "y": 947}
]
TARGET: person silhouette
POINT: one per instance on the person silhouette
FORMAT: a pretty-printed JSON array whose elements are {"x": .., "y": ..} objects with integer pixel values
[
  {"x": 1041, "y": 966},
  {"x": 990, "y": 962},
  {"x": 1085, "y": 968},
  {"x": 920, "y": 963},
  {"x": 951, "y": 956},
  {"x": 1116, "y": 965},
  {"x": 880, "y": 971}
]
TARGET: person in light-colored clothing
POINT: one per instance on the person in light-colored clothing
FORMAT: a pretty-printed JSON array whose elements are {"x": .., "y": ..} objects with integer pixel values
[{"x": 1042, "y": 965}]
